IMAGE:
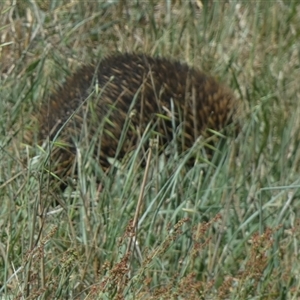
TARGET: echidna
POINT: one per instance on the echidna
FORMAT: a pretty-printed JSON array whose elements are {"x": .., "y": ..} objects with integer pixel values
[{"x": 112, "y": 104}]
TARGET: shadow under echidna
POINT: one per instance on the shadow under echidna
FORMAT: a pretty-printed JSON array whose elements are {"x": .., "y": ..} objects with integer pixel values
[{"x": 110, "y": 105}]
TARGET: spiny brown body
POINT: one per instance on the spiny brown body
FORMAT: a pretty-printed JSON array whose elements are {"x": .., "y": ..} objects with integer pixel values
[{"x": 121, "y": 96}]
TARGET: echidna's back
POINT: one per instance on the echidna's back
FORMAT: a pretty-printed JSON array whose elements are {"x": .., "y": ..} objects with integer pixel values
[{"x": 121, "y": 96}]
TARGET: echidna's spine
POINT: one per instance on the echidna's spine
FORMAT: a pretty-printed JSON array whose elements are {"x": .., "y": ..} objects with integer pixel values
[{"x": 98, "y": 100}]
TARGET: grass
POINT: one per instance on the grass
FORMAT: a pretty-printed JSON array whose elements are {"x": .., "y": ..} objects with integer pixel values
[{"x": 226, "y": 228}]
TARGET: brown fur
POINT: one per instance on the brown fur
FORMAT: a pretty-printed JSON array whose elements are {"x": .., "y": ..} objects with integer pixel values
[{"x": 137, "y": 90}]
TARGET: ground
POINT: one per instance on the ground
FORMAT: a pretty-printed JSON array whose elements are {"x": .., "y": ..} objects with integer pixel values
[{"x": 226, "y": 228}]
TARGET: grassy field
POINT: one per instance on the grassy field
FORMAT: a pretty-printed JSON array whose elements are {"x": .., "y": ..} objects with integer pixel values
[{"x": 227, "y": 228}]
